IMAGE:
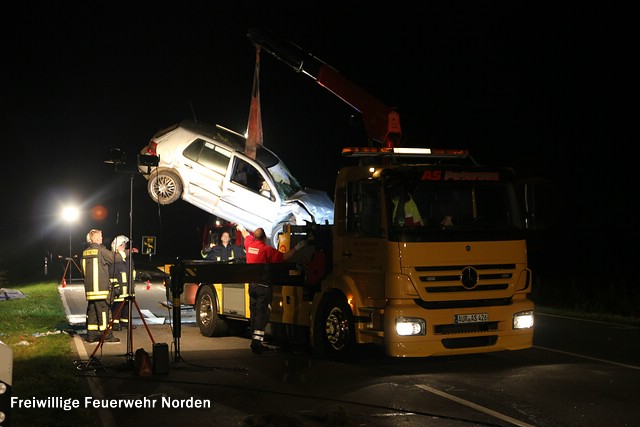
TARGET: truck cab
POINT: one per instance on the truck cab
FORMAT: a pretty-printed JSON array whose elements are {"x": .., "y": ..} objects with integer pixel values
[{"x": 452, "y": 279}]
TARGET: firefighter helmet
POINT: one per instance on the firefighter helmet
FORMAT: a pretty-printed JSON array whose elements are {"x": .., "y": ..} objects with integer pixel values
[{"x": 119, "y": 240}]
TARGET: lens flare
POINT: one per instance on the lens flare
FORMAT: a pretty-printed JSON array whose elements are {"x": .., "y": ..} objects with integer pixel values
[{"x": 99, "y": 213}]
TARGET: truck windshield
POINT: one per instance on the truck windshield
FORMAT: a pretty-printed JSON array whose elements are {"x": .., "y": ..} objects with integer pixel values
[{"x": 448, "y": 204}]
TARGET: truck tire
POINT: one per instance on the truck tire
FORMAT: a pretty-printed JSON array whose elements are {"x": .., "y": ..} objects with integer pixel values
[
  {"x": 334, "y": 335},
  {"x": 210, "y": 324},
  {"x": 164, "y": 187}
]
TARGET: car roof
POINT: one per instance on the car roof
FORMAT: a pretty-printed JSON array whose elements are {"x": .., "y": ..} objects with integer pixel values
[
  {"x": 217, "y": 133},
  {"x": 234, "y": 140}
]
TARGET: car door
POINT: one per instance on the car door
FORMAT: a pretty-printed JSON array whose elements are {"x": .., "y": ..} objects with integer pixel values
[
  {"x": 248, "y": 197},
  {"x": 203, "y": 169}
]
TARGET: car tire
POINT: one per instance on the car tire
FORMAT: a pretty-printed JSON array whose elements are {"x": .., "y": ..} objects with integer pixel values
[
  {"x": 164, "y": 187},
  {"x": 279, "y": 228}
]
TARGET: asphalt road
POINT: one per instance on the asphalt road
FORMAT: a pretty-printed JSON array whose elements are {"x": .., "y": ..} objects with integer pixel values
[{"x": 577, "y": 374}]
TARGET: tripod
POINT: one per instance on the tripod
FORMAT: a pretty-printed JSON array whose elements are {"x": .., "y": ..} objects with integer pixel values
[
  {"x": 129, "y": 355},
  {"x": 118, "y": 158},
  {"x": 68, "y": 268}
]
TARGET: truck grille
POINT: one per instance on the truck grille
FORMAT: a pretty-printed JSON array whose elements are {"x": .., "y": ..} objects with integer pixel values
[
  {"x": 451, "y": 278},
  {"x": 434, "y": 305}
]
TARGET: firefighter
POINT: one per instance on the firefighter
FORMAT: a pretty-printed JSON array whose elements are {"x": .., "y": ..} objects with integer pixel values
[
  {"x": 123, "y": 289},
  {"x": 97, "y": 262},
  {"x": 260, "y": 294},
  {"x": 226, "y": 251}
]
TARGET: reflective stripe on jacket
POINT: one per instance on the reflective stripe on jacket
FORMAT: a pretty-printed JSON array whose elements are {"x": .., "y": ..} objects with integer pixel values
[
  {"x": 121, "y": 274},
  {"x": 96, "y": 260}
]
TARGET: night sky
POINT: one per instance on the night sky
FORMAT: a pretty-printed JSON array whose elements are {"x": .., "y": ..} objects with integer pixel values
[{"x": 545, "y": 89}]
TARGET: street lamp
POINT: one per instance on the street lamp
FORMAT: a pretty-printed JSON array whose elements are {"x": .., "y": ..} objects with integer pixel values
[{"x": 70, "y": 214}]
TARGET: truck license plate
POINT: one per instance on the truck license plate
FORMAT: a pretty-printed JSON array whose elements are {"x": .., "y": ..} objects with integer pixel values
[{"x": 471, "y": 318}]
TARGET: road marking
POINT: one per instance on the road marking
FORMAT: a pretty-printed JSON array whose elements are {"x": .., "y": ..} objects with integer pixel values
[
  {"x": 602, "y": 322},
  {"x": 475, "y": 406},
  {"x": 582, "y": 356},
  {"x": 106, "y": 417},
  {"x": 151, "y": 318}
]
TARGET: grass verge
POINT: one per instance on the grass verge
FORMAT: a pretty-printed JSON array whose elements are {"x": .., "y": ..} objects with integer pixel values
[{"x": 37, "y": 331}]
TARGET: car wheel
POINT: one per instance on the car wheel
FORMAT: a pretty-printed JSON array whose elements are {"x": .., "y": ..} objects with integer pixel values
[
  {"x": 275, "y": 231},
  {"x": 334, "y": 333},
  {"x": 164, "y": 187},
  {"x": 210, "y": 324}
]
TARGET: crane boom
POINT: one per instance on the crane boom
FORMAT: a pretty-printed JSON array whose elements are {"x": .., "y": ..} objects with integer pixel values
[{"x": 382, "y": 123}]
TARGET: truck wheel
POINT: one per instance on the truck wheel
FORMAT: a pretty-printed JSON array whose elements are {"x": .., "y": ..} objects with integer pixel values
[
  {"x": 164, "y": 187},
  {"x": 210, "y": 324},
  {"x": 335, "y": 331}
]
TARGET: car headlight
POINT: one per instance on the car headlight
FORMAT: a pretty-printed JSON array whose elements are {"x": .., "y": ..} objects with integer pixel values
[
  {"x": 406, "y": 326},
  {"x": 523, "y": 320}
]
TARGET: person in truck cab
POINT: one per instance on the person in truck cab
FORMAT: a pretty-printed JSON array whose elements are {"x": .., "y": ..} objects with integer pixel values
[{"x": 405, "y": 211}]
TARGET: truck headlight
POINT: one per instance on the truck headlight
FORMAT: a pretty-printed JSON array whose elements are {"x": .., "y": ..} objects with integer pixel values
[
  {"x": 523, "y": 320},
  {"x": 406, "y": 326}
]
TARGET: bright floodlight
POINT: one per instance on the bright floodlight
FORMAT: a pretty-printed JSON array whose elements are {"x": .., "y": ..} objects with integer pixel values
[{"x": 70, "y": 214}]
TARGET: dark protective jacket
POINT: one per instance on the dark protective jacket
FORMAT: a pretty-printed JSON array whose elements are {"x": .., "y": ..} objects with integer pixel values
[
  {"x": 229, "y": 253},
  {"x": 120, "y": 278},
  {"x": 97, "y": 264}
]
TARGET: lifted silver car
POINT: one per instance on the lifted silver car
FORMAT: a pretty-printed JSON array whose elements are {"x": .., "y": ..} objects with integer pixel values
[{"x": 206, "y": 166}]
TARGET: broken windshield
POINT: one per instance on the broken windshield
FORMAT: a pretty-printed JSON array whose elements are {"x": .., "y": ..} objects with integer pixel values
[{"x": 286, "y": 184}]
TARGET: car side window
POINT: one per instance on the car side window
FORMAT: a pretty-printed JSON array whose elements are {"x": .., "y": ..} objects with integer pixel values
[
  {"x": 246, "y": 175},
  {"x": 192, "y": 152},
  {"x": 208, "y": 155}
]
